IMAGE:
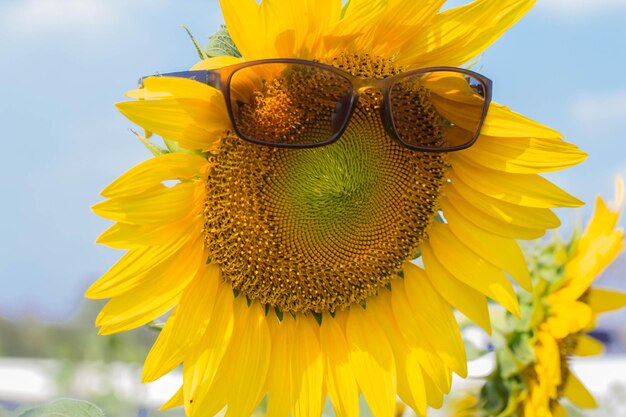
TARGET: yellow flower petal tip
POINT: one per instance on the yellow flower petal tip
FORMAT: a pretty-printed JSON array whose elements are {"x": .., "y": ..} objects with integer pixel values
[{"x": 289, "y": 273}]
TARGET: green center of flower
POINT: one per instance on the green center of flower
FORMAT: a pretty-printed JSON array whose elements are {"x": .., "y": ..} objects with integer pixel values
[{"x": 319, "y": 229}]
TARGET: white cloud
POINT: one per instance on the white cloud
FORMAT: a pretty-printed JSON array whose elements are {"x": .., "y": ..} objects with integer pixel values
[
  {"x": 45, "y": 15},
  {"x": 35, "y": 17},
  {"x": 594, "y": 110},
  {"x": 581, "y": 7}
]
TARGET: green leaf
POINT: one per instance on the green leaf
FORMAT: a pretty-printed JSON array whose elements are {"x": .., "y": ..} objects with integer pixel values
[
  {"x": 523, "y": 350},
  {"x": 221, "y": 44},
  {"x": 494, "y": 396},
  {"x": 507, "y": 363},
  {"x": 65, "y": 407}
]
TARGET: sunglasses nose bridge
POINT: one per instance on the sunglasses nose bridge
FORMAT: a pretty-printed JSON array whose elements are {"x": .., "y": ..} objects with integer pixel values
[{"x": 361, "y": 85}]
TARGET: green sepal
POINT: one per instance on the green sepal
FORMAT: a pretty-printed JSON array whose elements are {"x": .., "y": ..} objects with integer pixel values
[
  {"x": 174, "y": 147},
  {"x": 65, "y": 407},
  {"x": 154, "y": 149},
  {"x": 156, "y": 326},
  {"x": 344, "y": 9},
  {"x": 573, "y": 411},
  {"x": 201, "y": 52},
  {"x": 221, "y": 44},
  {"x": 318, "y": 317},
  {"x": 279, "y": 313}
]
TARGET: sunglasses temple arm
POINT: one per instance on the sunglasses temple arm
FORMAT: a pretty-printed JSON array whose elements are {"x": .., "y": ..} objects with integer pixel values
[{"x": 208, "y": 77}]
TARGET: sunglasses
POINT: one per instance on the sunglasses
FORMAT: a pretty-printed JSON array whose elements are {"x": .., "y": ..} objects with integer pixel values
[{"x": 293, "y": 103}]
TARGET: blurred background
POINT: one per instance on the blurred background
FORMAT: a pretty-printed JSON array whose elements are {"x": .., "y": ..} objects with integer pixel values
[{"x": 63, "y": 65}]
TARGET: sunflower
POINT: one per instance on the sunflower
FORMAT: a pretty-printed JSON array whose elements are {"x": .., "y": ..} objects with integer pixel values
[
  {"x": 533, "y": 375},
  {"x": 297, "y": 274}
]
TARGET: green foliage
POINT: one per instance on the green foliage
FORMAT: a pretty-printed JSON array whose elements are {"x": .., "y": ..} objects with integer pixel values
[
  {"x": 64, "y": 408},
  {"x": 201, "y": 52},
  {"x": 221, "y": 44},
  {"x": 73, "y": 341},
  {"x": 154, "y": 149}
]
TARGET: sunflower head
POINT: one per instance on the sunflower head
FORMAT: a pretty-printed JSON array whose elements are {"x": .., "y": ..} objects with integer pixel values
[
  {"x": 289, "y": 273},
  {"x": 532, "y": 373},
  {"x": 319, "y": 229}
]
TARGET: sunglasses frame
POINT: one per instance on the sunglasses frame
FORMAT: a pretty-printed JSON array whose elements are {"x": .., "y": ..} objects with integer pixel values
[{"x": 221, "y": 78}]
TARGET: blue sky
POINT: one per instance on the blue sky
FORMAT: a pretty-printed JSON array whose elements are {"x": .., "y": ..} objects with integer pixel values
[{"x": 65, "y": 62}]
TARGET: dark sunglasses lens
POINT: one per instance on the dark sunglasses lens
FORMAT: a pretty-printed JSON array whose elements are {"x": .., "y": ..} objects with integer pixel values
[
  {"x": 289, "y": 104},
  {"x": 438, "y": 110}
]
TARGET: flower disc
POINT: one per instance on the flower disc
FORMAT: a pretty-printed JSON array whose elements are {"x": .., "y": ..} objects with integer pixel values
[{"x": 318, "y": 229}]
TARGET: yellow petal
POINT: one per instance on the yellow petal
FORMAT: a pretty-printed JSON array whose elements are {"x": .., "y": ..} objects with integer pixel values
[
  {"x": 180, "y": 119},
  {"x": 133, "y": 236},
  {"x": 372, "y": 362},
  {"x": 587, "y": 346},
  {"x": 153, "y": 172},
  {"x": 602, "y": 222},
  {"x": 434, "y": 317},
  {"x": 202, "y": 391},
  {"x": 529, "y": 190},
  {"x": 469, "y": 268},
  {"x": 358, "y": 16},
  {"x": 435, "y": 397},
  {"x": 601, "y": 300},
  {"x": 119, "y": 314},
  {"x": 487, "y": 217},
  {"x": 431, "y": 360},
  {"x": 132, "y": 269},
  {"x": 501, "y": 252},
  {"x": 527, "y": 217},
  {"x": 408, "y": 360},
  {"x": 503, "y": 122},
  {"x": 558, "y": 410},
  {"x": 247, "y": 359},
  {"x": 567, "y": 318},
  {"x": 145, "y": 265},
  {"x": 339, "y": 376},
  {"x": 245, "y": 28},
  {"x": 186, "y": 326},
  {"x": 322, "y": 15},
  {"x": 307, "y": 369},
  {"x": 521, "y": 155},
  {"x": 582, "y": 270},
  {"x": 177, "y": 400},
  {"x": 277, "y": 28},
  {"x": 461, "y": 296},
  {"x": 157, "y": 294},
  {"x": 216, "y": 62},
  {"x": 576, "y": 392},
  {"x": 458, "y": 35},
  {"x": 279, "y": 373},
  {"x": 155, "y": 206},
  {"x": 411, "y": 385},
  {"x": 401, "y": 22},
  {"x": 178, "y": 87}
]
